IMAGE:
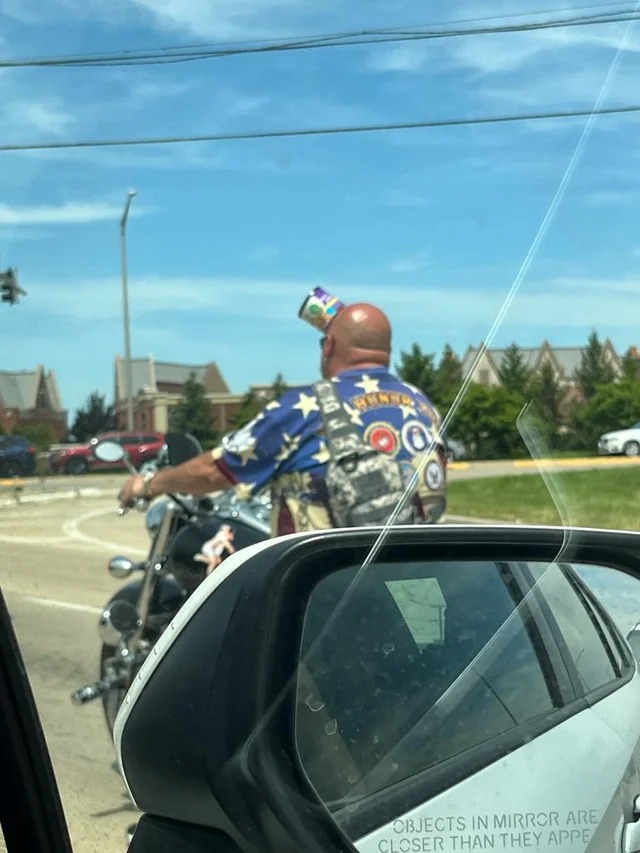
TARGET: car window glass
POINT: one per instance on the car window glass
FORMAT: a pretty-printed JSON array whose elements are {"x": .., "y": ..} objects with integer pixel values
[
  {"x": 425, "y": 662},
  {"x": 584, "y": 643},
  {"x": 149, "y": 439}
]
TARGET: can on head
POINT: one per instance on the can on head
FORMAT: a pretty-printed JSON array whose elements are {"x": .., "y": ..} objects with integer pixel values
[{"x": 319, "y": 308}]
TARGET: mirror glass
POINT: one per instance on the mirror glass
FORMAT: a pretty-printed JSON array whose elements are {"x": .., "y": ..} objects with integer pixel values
[
  {"x": 109, "y": 451},
  {"x": 418, "y": 680}
]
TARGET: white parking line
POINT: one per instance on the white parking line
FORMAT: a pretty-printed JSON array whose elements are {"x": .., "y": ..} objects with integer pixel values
[
  {"x": 71, "y": 531},
  {"x": 62, "y": 605}
]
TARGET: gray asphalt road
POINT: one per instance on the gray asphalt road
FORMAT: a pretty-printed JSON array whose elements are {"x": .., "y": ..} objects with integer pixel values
[{"x": 54, "y": 585}]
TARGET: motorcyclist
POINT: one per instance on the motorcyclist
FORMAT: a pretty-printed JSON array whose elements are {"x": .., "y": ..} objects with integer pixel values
[{"x": 283, "y": 447}]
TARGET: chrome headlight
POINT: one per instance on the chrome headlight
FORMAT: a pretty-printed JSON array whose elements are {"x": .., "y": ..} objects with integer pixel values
[{"x": 155, "y": 514}]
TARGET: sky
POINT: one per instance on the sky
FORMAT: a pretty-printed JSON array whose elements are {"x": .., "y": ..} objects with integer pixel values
[{"x": 225, "y": 239}]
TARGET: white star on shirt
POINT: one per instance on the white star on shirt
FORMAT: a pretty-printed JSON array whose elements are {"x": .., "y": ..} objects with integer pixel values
[
  {"x": 322, "y": 455},
  {"x": 247, "y": 454},
  {"x": 369, "y": 386},
  {"x": 354, "y": 415},
  {"x": 290, "y": 446},
  {"x": 245, "y": 490},
  {"x": 274, "y": 404},
  {"x": 408, "y": 412},
  {"x": 306, "y": 404}
]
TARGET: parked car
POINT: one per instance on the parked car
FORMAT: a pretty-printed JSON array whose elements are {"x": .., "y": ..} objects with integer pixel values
[
  {"x": 621, "y": 441},
  {"x": 17, "y": 456},
  {"x": 79, "y": 458},
  {"x": 456, "y": 449}
]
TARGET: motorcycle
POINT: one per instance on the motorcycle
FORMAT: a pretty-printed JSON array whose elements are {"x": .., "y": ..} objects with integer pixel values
[{"x": 189, "y": 538}]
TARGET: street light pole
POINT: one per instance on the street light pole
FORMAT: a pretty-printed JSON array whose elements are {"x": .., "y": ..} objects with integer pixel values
[{"x": 128, "y": 369}]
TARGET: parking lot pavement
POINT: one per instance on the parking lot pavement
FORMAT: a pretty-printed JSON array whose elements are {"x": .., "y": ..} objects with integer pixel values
[{"x": 53, "y": 574}]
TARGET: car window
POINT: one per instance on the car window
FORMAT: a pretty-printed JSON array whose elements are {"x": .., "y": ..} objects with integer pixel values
[
  {"x": 426, "y": 663},
  {"x": 150, "y": 439},
  {"x": 579, "y": 628}
]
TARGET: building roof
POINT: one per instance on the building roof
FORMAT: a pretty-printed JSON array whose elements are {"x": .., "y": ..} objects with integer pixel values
[
  {"x": 567, "y": 359},
  {"x": 148, "y": 374},
  {"x": 19, "y": 389}
]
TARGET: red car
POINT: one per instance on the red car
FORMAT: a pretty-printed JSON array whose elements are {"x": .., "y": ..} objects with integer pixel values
[{"x": 79, "y": 458}]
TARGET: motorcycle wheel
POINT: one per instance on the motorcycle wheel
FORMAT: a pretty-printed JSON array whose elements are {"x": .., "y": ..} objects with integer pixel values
[{"x": 112, "y": 700}]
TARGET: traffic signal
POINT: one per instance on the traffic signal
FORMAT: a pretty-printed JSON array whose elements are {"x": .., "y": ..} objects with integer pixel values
[{"x": 9, "y": 287}]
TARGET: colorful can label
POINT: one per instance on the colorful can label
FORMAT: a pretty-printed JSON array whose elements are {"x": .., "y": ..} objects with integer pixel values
[{"x": 319, "y": 308}]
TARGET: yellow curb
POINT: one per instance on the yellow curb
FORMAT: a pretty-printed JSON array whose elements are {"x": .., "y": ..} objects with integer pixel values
[
  {"x": 12, "y": 482},
  {"x": 459, "y": 466},
  {"x": 577, "y": 461}
]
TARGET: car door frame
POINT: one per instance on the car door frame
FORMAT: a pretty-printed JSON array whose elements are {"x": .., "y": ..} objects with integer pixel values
[{"x": 31, "y": 813}]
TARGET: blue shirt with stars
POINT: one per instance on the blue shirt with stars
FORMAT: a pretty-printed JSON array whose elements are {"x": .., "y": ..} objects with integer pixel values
[{"x": 283, "y": 448}]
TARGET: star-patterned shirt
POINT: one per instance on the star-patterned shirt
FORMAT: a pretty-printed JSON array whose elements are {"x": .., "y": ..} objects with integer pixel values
[{"x": 284, "y": 449}]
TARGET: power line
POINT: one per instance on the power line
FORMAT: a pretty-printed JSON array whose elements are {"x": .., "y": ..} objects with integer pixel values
[
  {"x": 416, "y": 32},
  {"x": 318, "y": 131}
]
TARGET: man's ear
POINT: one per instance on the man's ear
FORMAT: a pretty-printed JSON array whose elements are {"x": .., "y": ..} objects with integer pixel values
[{"x": 329, "y": 344}]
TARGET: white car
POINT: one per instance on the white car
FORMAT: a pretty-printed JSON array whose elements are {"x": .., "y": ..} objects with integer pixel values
[{"x": 621, "y": 441}]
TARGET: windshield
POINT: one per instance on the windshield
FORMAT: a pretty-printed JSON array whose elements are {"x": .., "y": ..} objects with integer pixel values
[{"x": 179, "y": 178}]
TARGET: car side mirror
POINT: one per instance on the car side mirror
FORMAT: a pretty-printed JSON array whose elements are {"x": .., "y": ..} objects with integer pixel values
[
  {"x": 181, "y": 447},
  {"x": 306, "y": 700}
]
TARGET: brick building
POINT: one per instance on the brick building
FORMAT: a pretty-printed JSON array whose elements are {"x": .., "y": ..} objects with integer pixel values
[{"x": 31, "y": 398}]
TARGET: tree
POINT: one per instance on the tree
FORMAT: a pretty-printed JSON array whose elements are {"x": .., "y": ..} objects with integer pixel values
[
  {"x": 488, "y": 418},
  {"x": 594, "y": 369},
  {"x": 40, "y": 435},
  {"x": 630, "y": 365},
  {"x": 193, "y": 413},
  {"x": 548, "y": 395},
  {"x": 94, "y": 418},
  {"x": 418, "y": 369},
  {"x": 513, "y": 372},
  {"x": 448, "y": 378},
  {"x": 252, "y": 405},
  {"x": 613, "y": 406}
]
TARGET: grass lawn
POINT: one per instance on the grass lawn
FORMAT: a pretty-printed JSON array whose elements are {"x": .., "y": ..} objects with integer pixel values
[{"x": 602, "y": 498}]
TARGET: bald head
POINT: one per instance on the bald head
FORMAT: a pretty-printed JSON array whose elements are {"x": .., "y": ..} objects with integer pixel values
[{"x": 359, "y": 336}]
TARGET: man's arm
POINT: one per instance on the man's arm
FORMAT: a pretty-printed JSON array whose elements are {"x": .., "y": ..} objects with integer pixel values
[
  {"x": 199, "y": 476},
  {"x": 249, "y": 457}
]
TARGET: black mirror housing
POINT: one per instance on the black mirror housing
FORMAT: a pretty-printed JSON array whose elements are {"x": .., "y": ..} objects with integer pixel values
[
  {"x": 206, "y": 735},
  {"x": 181, "y": 447}
]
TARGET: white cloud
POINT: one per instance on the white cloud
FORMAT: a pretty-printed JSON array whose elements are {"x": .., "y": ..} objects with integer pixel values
[
  {"x": 554, "y": 304},
  {"x": 48, "y": 116},
  {"x": 403, "y": 58},
  {"x": 401, "y": 198},
  {"x": 9, "y": 235},
  {"x": 612, "y": 197},
  {"x": 409, "y": 263},
  {"x": 69, "y": 213}
]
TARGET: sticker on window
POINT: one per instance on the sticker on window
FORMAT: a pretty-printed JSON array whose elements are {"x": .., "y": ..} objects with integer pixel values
[{"x": 422, "y": 605}]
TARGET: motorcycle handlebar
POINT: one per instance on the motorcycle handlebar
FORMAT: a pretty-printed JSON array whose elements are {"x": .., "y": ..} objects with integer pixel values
[{"x": 141, "y": 504}]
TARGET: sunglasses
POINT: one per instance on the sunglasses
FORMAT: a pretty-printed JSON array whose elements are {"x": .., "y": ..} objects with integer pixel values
[{"x": 322, "y": 340}]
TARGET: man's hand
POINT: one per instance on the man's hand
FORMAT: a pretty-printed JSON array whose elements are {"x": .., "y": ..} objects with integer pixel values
[{"x": 132, "y": 489}]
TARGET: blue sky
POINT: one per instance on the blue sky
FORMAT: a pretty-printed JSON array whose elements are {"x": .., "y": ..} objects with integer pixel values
[{"x": 225, "y": 239}]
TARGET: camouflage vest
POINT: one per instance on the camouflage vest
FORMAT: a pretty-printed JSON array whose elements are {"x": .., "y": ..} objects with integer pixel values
[{"x": 364, "y": 485}]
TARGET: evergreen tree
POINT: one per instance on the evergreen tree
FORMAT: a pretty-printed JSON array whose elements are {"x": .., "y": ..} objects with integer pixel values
[
  {"x": 418, "y": 369},
  {"x": 448, "y": 378},
  {"x": 594, "y": 370},
  {"x": 630, "y": 365},
  {"x": 95, "y": 417},
  {"x": 193, "y": 413},
  {"x": 548, "y": 395},
  {"x": 513, "y": 372}
]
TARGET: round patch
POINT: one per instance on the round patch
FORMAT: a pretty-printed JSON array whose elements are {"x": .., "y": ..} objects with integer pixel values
[
  {"x": 433, "y": 476},
  {"x": 382, "y": 438},
  {"x": 407, "y": 471},
  {"x": 416, "y": 437}
]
